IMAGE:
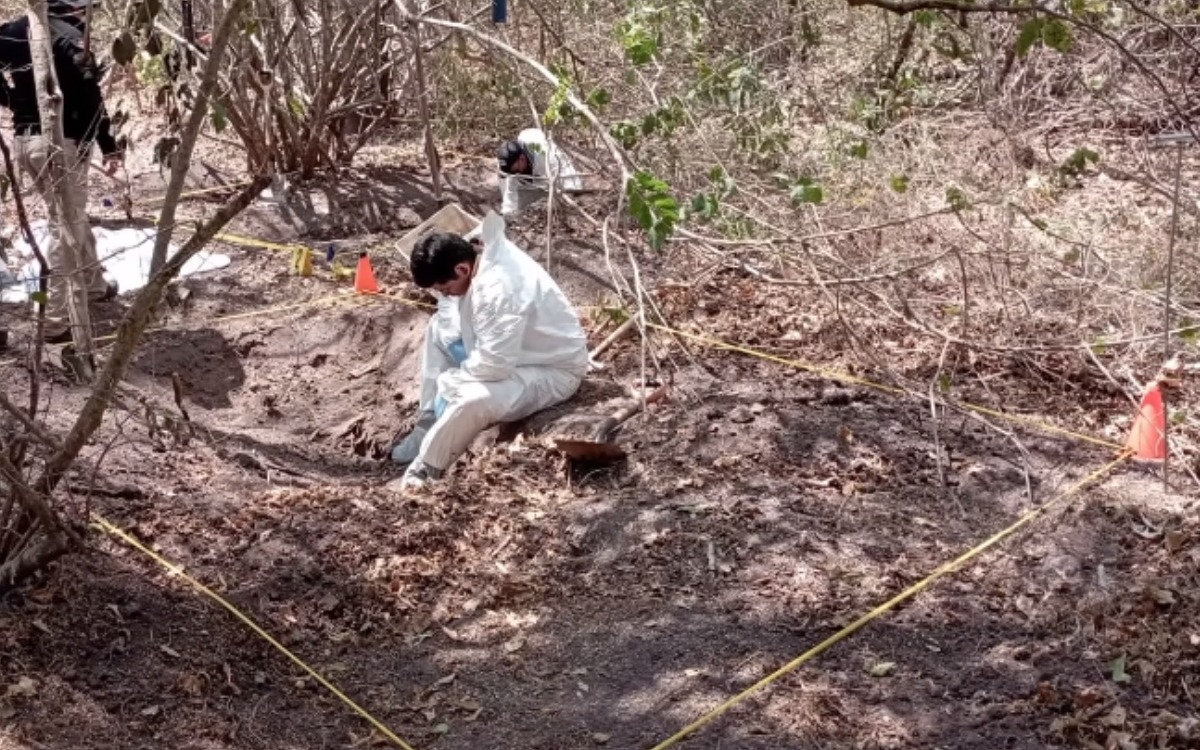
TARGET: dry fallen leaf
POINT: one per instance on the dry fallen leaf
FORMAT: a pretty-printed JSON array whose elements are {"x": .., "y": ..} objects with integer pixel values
[
  {"x": 1046, "y": 693},
  {"x": 514, "y": 645},
  {"x": 1120, "y": 741},
  {"x": 24, "y": 687},
  {"x": 1164, "y": 597},
  {"x": 727, "y": 462},
  {"x": 1115, "y": 717},
  {"x": 192, "y": 684},
  {"x": 1087, "y": 698}
]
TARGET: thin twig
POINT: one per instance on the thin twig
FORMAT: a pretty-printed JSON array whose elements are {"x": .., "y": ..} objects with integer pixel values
[{"x": 43, "y": 279}]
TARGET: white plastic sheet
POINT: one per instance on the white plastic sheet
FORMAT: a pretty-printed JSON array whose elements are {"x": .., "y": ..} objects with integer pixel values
[{"x": 124, "y": 253}]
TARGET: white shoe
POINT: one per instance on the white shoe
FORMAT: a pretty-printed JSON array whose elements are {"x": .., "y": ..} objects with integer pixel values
[{"x": 418, "y": 477}]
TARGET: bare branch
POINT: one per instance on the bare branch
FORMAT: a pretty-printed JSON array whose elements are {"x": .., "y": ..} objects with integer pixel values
[{"x": 903, "y": 7}]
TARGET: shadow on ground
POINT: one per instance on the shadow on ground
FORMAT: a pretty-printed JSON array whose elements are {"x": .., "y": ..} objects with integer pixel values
[{"x": 609, "y": 612}]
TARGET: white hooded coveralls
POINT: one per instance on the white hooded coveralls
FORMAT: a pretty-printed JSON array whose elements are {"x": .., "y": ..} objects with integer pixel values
[
  {"x": 525, "y": 349},
  {"x": 548, "y": 162}
]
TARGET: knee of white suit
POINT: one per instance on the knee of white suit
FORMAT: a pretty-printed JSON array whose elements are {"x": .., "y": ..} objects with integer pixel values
[{"x": 464, "y": 417}]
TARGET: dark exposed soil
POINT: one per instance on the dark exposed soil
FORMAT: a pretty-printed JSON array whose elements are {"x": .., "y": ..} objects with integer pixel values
[{"x": 528, "y": 605}]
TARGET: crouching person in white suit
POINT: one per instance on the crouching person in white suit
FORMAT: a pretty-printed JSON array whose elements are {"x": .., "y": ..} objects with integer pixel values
[
  {"x": 505, "y": 343},
  {"x": 528, "y": 164}
]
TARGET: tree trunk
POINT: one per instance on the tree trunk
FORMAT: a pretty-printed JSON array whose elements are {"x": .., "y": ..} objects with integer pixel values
[
  {"x": 50, "y": 110},
  {"x": 182, "y": 160},
  {"x": 431, "y": 153}
]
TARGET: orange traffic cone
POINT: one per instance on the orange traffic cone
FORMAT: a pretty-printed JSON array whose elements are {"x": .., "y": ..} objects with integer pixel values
[
  {"x": 364, "y": 277},
  {"x": 1148, "y": 438}
]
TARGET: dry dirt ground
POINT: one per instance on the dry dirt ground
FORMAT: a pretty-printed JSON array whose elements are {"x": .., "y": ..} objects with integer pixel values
[{"x": 529, "y": 605}]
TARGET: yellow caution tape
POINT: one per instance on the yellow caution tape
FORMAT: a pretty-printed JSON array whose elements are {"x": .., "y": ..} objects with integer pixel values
[
  {"x": 848, "y": 378},
  {"x": 175, "y": 570},
  {"x": 887, "y": 606}
]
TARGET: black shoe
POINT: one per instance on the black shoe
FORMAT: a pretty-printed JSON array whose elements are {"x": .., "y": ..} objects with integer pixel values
[
  {"x": 3, "y": 339},
  {"x": 58, "y": 338},
  {"x": 111, "y": 290}
]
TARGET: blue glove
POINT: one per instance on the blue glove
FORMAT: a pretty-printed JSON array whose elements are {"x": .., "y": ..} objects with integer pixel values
[
  {"x": 458, "y": 350},
  {"x": 439, "y": 406}
]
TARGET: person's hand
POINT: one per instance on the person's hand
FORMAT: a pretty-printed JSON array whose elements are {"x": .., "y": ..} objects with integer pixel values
[{"x": 113, "y": 162}]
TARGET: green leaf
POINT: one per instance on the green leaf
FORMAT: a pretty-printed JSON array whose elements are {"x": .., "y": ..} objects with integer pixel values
[
  {"x": 142, "y": 13},
  {"x": 295, "y": 106},
  {"x": 899, "y": 183},
  {"x": 124, "y": 48},
  {"x": 219, "y": 117},
  {"x": 859, "y": 150},
  {"x": 598, "y": 98},
  {"x": 957, "y": 199},
  {"x": 559, "y": 109},
  {"x": 1056, "y": 35},
  {"x": 1099, "y": 346},
  {"x": 40, "y": 298},
  {"x": 706, "y": 206},
  {"x": 640, "y": 43},
  {"x": 656, "y": 237},
  {"x": 1031, "y": 34},
  {"x": 625, "y": 133},
  {"x": 1190, "y": 335},
  {"x": 1118, "y": 670},
  {"x": 1050, "y": 32},
  {"x": 944, "y": 383},
  {"x": 807, "y": 193},
  {"x": 651, "y": 203},
  {"x": 1077, "y": 163},
  {"x": 925, "y": 17}
]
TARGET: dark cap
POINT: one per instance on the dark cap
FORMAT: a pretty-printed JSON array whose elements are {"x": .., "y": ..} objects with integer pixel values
[{"x": 508, "y": 154}]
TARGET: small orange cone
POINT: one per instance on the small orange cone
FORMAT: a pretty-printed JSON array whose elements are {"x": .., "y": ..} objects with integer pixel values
[
  {"x": 1148, "y": 438},
  {"x": 364, "y": 277}
]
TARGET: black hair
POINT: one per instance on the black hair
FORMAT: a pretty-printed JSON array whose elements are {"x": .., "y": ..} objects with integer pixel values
[
  {"x": 508, "y": 154},
  {"x": 435, "y": 256}
]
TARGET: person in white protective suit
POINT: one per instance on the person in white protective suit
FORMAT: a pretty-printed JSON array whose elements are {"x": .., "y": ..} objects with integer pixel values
[
  {"x": 505, "y": 343},
  {"x": 527, "y": 166}
]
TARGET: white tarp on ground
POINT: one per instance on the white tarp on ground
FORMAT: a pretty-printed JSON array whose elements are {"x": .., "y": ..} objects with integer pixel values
[{"x": 124, "y": 253}]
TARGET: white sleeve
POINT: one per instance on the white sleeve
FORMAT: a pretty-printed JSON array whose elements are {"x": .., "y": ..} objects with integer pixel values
[
  {"x": 508, "y": 195},
  {"x": 564, "y": 171},
  {"x": 497, "y": 317}
]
